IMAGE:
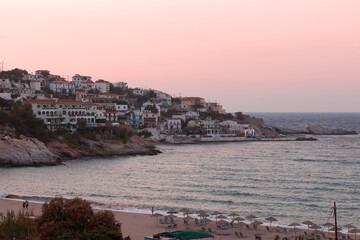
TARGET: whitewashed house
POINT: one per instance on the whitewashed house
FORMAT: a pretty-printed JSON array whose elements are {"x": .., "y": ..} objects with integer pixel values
[
  {"x": 78, "y": 79},
  {"x": 62, "y": 87},
  {"x": 102, "y": 86},
  {"x": 35, "y": 85}
]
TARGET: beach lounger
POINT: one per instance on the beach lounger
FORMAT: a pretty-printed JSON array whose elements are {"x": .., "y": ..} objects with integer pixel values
[
  {"x": 203, "y": 229},
  {"x": 242, "y": 235},
  {"x": 330, "y": 238},
  {"x": 285, "y": 238},
  {"x": 306, "y": 233},
  {"x": 343, "y": 237},
  {"x": 285, "y": 230}
]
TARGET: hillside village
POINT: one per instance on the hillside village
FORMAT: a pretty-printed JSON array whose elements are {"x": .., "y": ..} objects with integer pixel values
[{"x": 83, "y": 101}]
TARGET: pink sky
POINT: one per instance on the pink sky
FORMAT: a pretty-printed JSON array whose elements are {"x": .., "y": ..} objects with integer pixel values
[{"x": 249, "y": 55}]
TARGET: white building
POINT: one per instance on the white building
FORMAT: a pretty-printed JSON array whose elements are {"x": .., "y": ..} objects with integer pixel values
[
  {"x": 142, "y": 92},
  {"x": 62, "y": 87},
  {"x": 35, "y": 85},
  {"x": 5, "y": 83},
  {"x": 173, "y": 124},
  {"x": 102, "y": 86},
  {"x": 87, "y": 85},
  {"x": 58, "y": 113},
  {"x": 78, "y": 79},
  {"x": 121, "y": 108},
  {"x": 192, "y": 114}
]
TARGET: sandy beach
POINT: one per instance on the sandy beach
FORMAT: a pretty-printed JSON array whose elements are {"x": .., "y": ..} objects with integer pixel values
[{"x": 138, "y": 225}]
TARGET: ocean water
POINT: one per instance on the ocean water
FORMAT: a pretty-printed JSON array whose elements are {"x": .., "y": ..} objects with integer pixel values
[{"x": 292, "y": 181}]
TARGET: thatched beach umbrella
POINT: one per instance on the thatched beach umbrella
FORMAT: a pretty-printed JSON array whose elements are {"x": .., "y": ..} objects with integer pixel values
[
  {"x": 216, "y": 213},
  {"x": 328, "y": 225},
  {"x": 251, "y": 217},
  {"x": 308, "y": 223},
  {"x": 348, "y": 226},
  {"x": 157, "y": 215},
  {"x": 256, "y": 223},
  {"x": 355, "y": 231},
  {"x": 184, "y": 210},
  {"x": 200, "y": 211},
  {"x": 271, "y": 219},
  {"x": 239, "y": 219},
  {"x": 234, "y": 215},
  {"x": 187, "y": 213},
  {"x": 221, "y": 217},
  {"x": 294, "y": 224}
]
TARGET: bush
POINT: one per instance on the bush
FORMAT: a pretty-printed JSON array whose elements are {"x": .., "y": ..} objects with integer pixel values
[
  {"x": 16, "y": 226},
  {"x": 74, "y": 219}
]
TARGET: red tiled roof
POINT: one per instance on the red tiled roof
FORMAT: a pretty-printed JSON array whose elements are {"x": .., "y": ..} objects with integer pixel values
[{"x": 41, "y": 101}]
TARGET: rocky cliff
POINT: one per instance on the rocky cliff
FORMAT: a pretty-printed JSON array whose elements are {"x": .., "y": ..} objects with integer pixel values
[{"x": 26, "y": 151}]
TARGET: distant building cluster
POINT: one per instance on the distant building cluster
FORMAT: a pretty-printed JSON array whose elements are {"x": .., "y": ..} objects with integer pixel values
[{"x": 63, "y": 104}]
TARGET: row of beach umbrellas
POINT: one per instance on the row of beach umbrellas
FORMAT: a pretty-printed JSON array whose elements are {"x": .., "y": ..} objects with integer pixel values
[{"x": 236, "y": 217}]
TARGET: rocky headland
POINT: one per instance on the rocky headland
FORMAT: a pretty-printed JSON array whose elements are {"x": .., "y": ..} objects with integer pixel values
[{"x": 26, "y": 151}]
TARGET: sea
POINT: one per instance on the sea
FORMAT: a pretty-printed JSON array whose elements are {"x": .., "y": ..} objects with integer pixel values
[{"x": 291, "y": 181}]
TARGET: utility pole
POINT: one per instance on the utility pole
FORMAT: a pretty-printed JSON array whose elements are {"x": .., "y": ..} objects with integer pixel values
[{"x": 336, "y": 232}]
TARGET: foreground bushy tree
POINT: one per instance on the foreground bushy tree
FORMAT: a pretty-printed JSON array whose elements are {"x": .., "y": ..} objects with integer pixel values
[{"x": 74, "y": 219}]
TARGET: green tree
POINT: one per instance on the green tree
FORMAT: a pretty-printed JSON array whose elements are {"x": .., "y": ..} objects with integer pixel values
[{"x": 75, "y": 219}]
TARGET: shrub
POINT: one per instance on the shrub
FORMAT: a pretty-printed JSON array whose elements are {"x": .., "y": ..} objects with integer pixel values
[
  {"x": 74, "y": 219},
  {"x": 16, "y": 226}
]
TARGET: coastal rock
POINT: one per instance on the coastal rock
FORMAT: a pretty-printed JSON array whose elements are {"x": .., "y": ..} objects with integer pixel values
[
  {"x": 25, "y": 152},
  {"x": 90, "y": 148},
  {"x": 320, "y": 130}
]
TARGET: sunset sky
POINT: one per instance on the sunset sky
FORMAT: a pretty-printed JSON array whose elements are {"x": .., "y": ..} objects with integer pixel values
[{"x": 249, "y": 55}]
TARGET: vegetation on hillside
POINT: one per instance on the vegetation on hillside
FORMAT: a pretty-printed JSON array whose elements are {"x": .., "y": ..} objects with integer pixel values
[
  {"x": 20, "y": 118},
  {"x": 14, "y": 74}
]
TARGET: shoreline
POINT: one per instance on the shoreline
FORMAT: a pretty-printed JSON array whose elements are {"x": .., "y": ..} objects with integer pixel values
[{"x": 140, "y": 224}]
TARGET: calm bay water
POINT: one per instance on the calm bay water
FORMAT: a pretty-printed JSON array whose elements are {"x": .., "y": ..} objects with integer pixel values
[{"x": 292, "y": 181}]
